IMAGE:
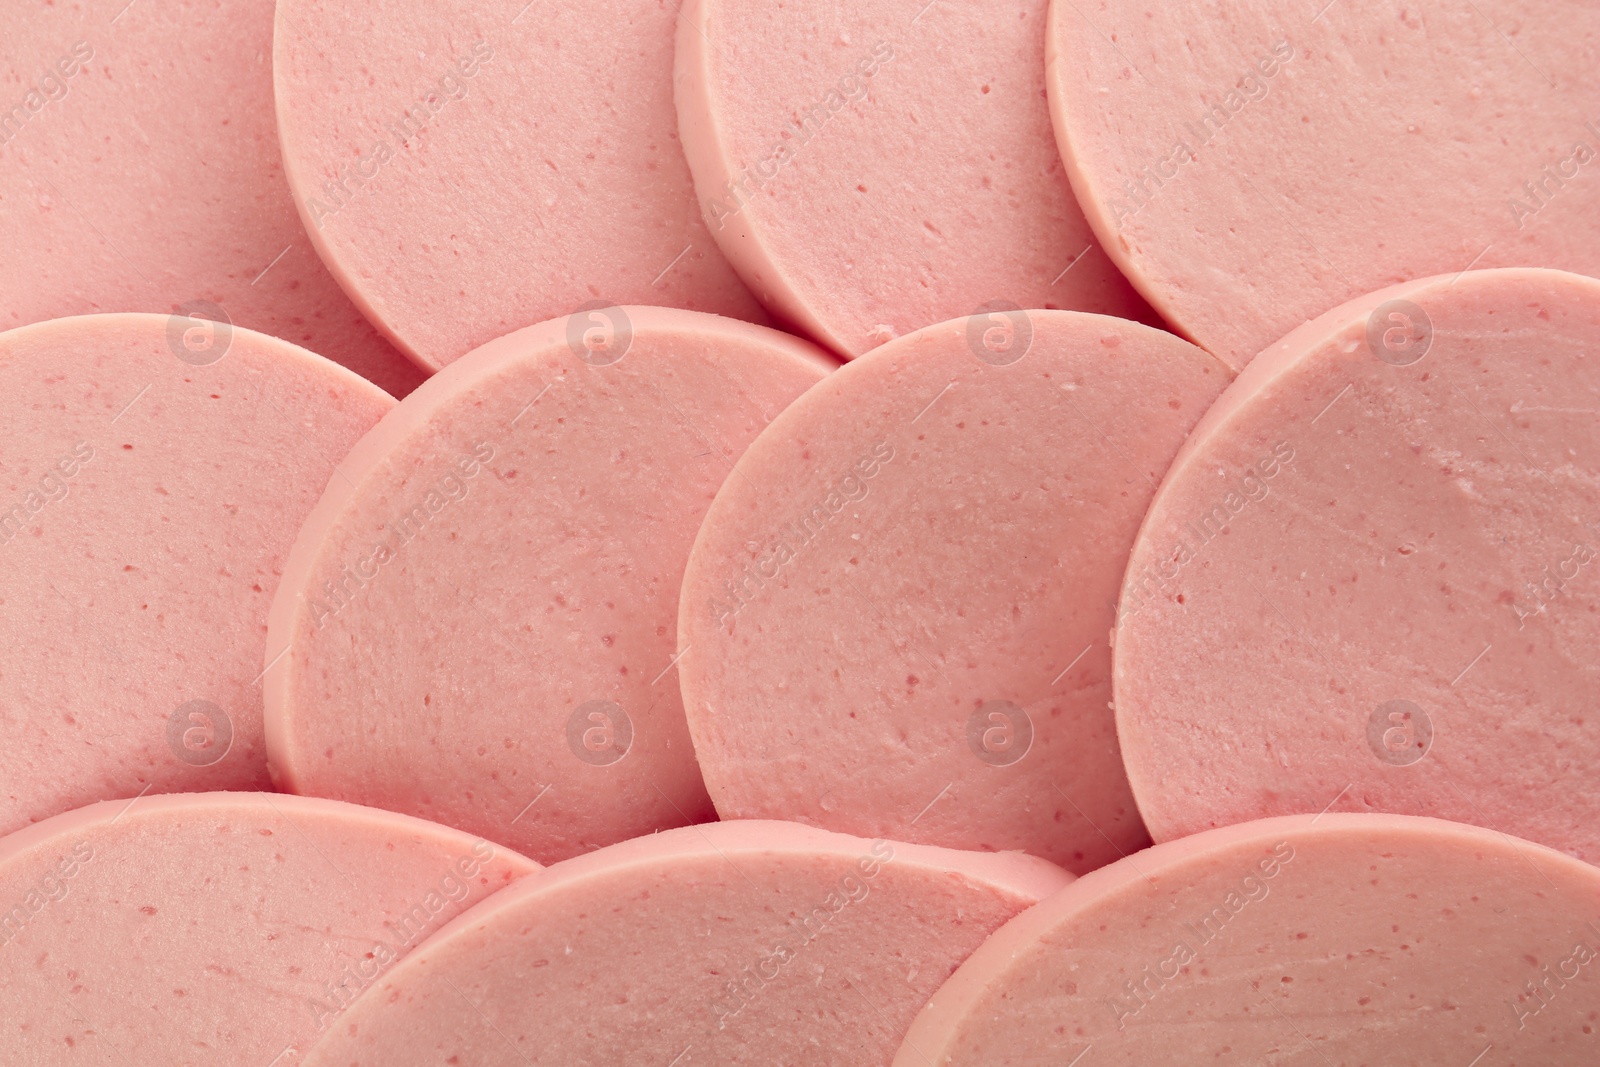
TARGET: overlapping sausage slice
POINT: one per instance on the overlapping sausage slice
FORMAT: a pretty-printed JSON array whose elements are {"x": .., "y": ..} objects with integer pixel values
[
  {"x": 153, "y": 472},
  {"x": 469, "y": 169},
  {"x": 1369, "y": 581},
  {"x": 478, "y": 623},
  {"x": 895, "y": 623},
  {"x": 876, "y": 167},
  {"x": 217, "y": 928},
  {"x": 1251, "y": 163},
  {"x": 1339, "y": 939},
  {"x": 741, "y": 944},
  {"x": 140, "y": 172}
]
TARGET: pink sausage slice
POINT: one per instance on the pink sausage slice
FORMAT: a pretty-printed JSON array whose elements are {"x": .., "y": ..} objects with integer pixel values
[
  {"x": 217, "y": 928},
  {"x": 1335, "y": 940},
  {"x": 468, "y": 169},
  {"x": 895, "y": 622},
  {"x": 876, "y": 167},
  {"x": 153, "y": 472},
  {"x": 478, "y": 622},
  {"x": 1252, "y": 163},
  {"x": 735, "y": 944},
  {"x": 140, "y": 171},
  {"x": 1369, "y": 581}
]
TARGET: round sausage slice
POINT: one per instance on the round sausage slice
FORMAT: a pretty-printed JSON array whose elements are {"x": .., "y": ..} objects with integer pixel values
[
  {"x": 469, "y": 169},
  {"x": 735, "y": 943},
  {"x": 1370, "y": 580},
  {"x": 1339, "y": 939},
  {"x": 217, "y": 928},
  {"x": 478, "y": 623},
  {"x": 140, "y": 171},
  {"x": 1250, "y": 164},
  {"x": 896, "y": 622},
  {"x": 153, "y": 472},
  {"x": 876, "y": 167}
]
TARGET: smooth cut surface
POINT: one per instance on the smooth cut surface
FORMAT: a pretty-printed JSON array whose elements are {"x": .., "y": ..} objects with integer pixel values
[
  {"x": 738, "y": 944},
  {"x": 147, "y": 503},
  {"x": 467, "y": 169},
  {"x": 1297, "y": 941},
  {"x": 478, "y": 623},
  {"x": 1251, "y": 163},
  {"x": 877, "y": 167},
  {"x": 140, "y": 171},
  {"x": 1370, "y": 579},
  {"x": 216, "y": 929},
  {"x": 895, "y": 622}
]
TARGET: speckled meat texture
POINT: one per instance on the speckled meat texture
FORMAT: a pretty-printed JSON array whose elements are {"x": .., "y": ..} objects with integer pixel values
[
  {"x": 1346, "y": 939},
  {"x": 147, "y": 503},
  {"x": 739, "y": 944},
  {"x": 478, "y": 624},
  {"x": 1369, "y": 580},
  {"x": 873, "y": 168},
  {"x": 451, "y": 154},
  {"x": 140, "y": 171},
  {"x": 217, "y": 929},
  {"x": 1252, "y": 163},
  {"x": 895, "y": 622}
]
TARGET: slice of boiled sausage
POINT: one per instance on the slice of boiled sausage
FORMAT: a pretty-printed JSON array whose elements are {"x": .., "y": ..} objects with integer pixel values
[
  {"x": 217, "y": 928},
  {"x": 137, "y": 176},
  {"x": 1371, "y": 578},
  {"x": 1299, "y": 940},
  {"x": 895, "y": 623},
  {"x": 478, "y": 622},
  {"x": 741, "y": 944},
  {"x": 876, "y": 167},
  {"x": 153, "y": 472},
  {"x": 468, "y": 169},
  {"x": 1252, "y": 163}
]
